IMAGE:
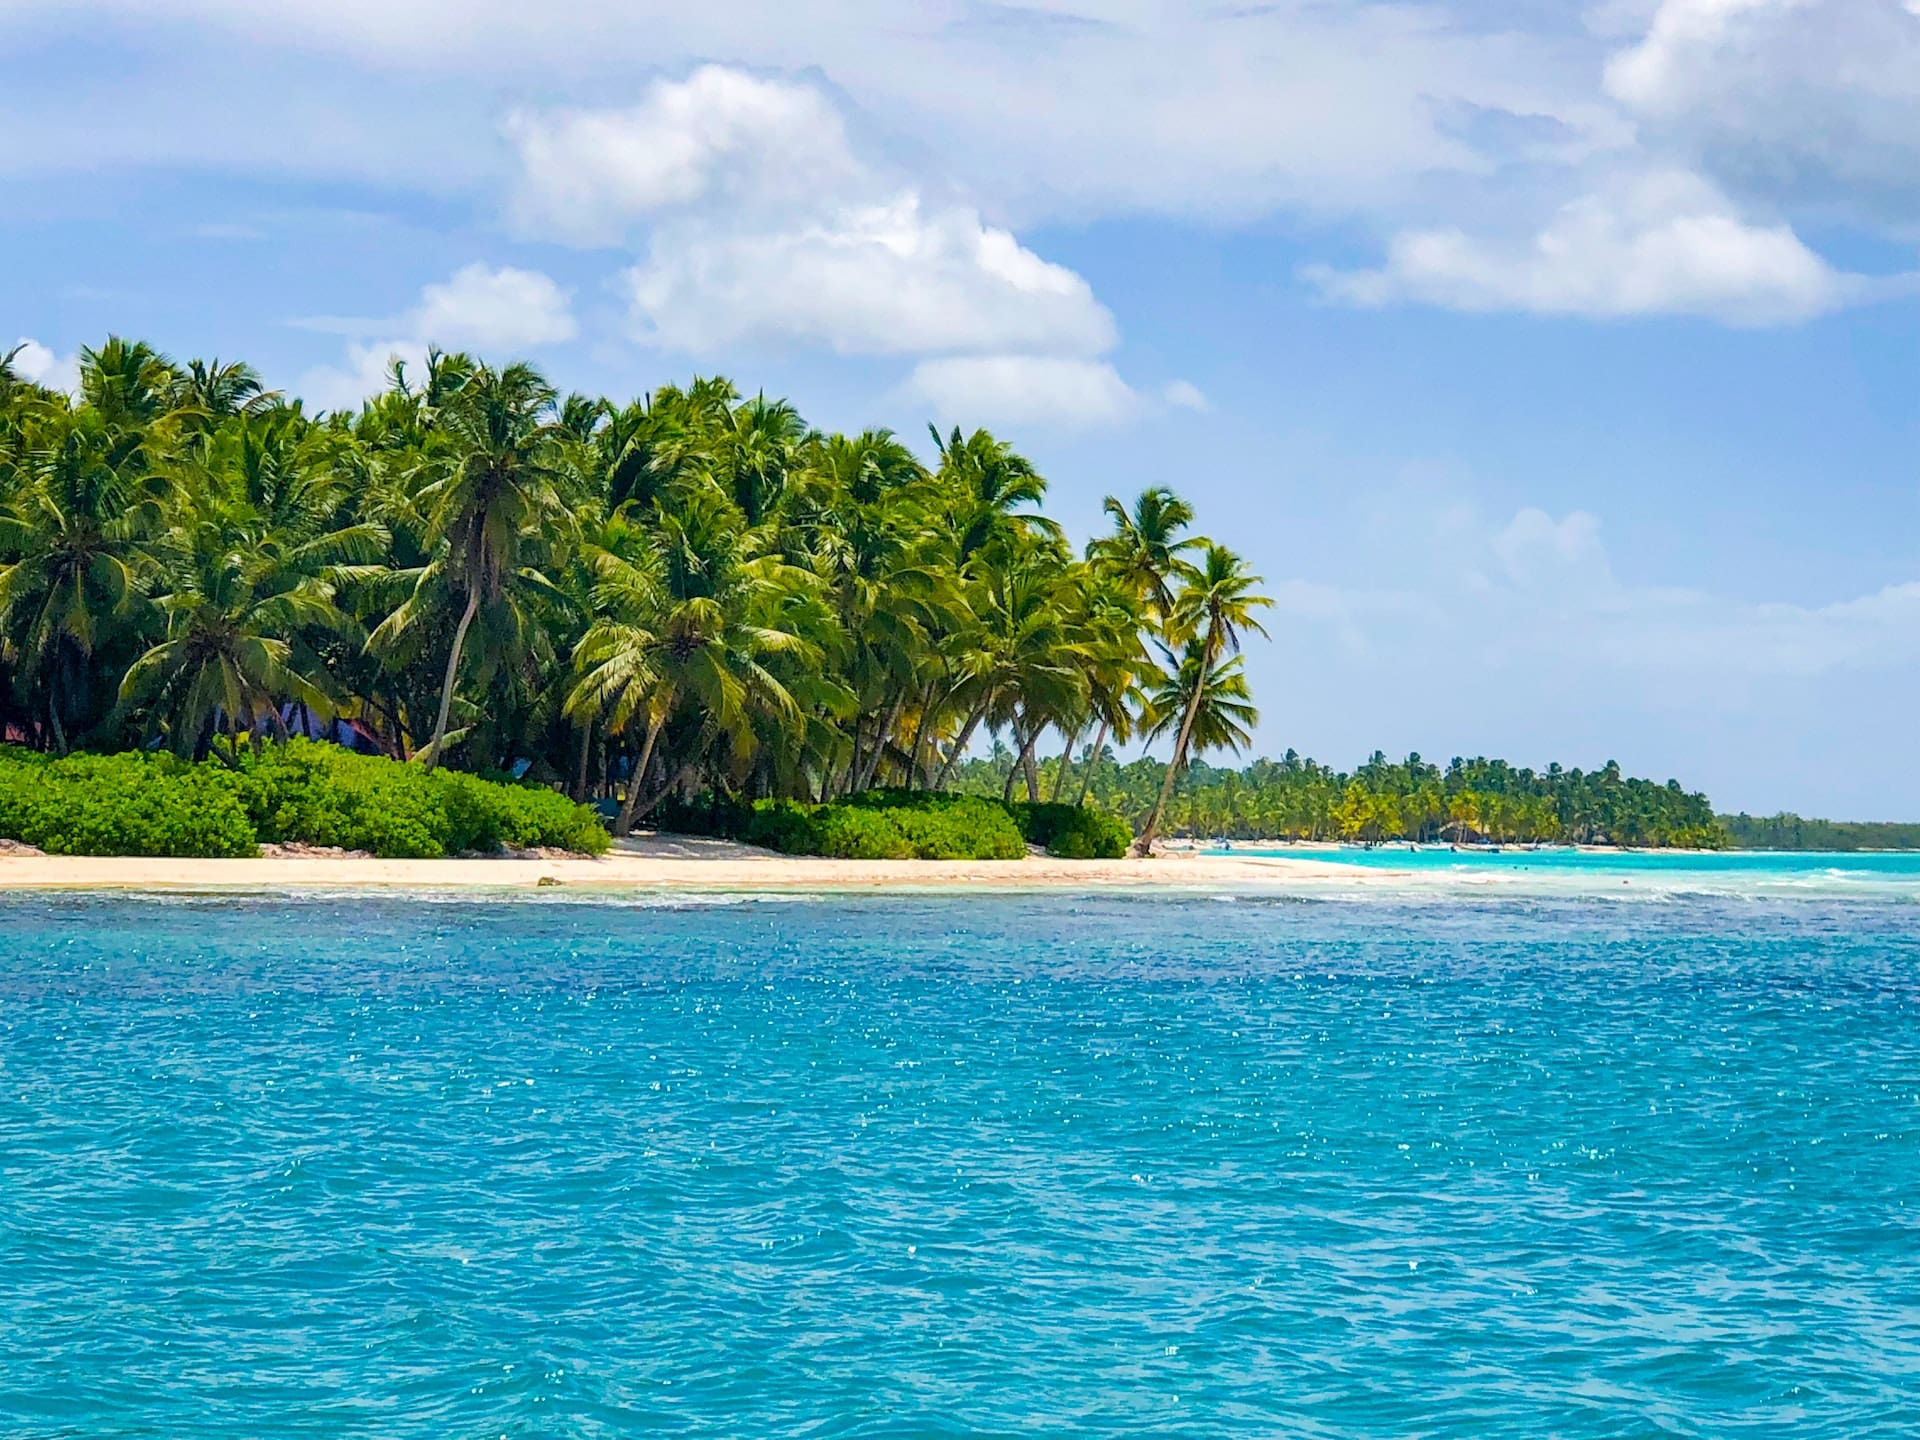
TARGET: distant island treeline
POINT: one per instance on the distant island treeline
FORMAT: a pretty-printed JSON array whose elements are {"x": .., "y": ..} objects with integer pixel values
[
  {"x": 1787, "y": 831},
  {"x": 1467, "y": 800}
]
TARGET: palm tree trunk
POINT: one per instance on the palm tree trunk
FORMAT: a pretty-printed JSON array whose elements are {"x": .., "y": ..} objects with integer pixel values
[
  {"x": 453, "y": 669},
  {"x": 1086, "y": 776},
  {"x": 960, "y": 744},
  {"x": 1028, "y": 768},
  {"x": 1066, "y": 764},
  {"x": 580, "y": 771},
  {"x": 880, "y": 741},
  {"x": 681, "y": 777},
  {"x": 1013, "y": 770},
  {"x": 59, "y": 731},
  {"x": 1143, "y": 845},
  {"x": 624, "y": 824},
  {"x": 916, "y": 770}
]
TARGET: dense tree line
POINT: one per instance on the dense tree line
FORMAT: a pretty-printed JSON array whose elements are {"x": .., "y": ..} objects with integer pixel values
[
  {"x": 1469, "y": 800},
  {"x": 694, "y": 590},
  {"x": 1790, "y": 832}
]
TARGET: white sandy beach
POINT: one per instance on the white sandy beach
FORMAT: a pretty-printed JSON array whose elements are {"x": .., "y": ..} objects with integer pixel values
[{"x": 665, "y": 863}]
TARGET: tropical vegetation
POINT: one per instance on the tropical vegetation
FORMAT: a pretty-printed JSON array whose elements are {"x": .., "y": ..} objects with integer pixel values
[{"x": 635, "y": 603}]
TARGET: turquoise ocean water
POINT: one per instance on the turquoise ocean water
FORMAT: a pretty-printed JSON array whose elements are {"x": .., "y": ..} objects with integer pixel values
[{"x": 1439, "y": 1165}]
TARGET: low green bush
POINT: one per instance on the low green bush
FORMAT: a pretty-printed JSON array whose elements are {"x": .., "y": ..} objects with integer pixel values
[
  {"x": 145, "y": 803},
  {"x": 783, "y": 825},
  {"x": 966, "y": 828},
  {"x": 1091, "y": 835},
  {"x": 853, "y": 832},
  {"x": 901, "y": 824},
  {"x": 132, "y": 804},
  {"x": 1074, "y": 832}
]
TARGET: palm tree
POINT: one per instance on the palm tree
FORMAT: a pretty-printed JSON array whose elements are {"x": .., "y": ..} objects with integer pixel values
[
  {"x": 687, "y": 615},
  {"x": 986, "y": 486},
  {"x": 77, "y": 528},
  {"x": 1215, "y": 605},
  {"x": 232, "y": 607},
  {"x": 128, "y": 382},
  {"x": 1146, "y": 551},
  {"x": 494, "y": 483}
]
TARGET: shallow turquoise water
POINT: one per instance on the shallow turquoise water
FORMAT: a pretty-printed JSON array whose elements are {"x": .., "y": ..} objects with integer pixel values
[
  {"x": 1734, "y": 864},
  {"x": 960, "y": 1166}
]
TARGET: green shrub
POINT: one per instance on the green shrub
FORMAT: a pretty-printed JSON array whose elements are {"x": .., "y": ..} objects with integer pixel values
[
  {"x": 852, "y": 832},
  {"x": 873, "y": 825},
  {"x": 131, "y": 804},
  {"x": 964, "y": 828},
  {"x": 783, "y": 825},
  {"x": 156, "y": 804},
  {"x": 1074, "y": 832},
  {"x": 1091, "y": 835}
]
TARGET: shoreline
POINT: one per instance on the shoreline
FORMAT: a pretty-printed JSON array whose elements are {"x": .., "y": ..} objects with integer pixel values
[
  {"x": 658, "y": 866},
  {"x": 644, "y": 868}
]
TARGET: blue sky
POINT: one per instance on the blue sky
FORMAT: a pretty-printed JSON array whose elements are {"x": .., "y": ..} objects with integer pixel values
[{"x": 1556, "y": 364}]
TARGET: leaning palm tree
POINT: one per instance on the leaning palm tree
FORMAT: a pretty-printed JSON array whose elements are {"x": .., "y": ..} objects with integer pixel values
[
  {"x": 493, "y": 482},
  {"x": 1214, "y": 607}
]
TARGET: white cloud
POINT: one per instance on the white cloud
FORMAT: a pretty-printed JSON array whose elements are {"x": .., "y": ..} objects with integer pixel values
[
  {"x": 1815, "y": 101},
  {"x": 721, "y": 137},
  {"x": 884, "y": 279},
  {"x": 496, "y": 312},
  {"x": 765, "y": 226},
  {"x": 1651, "y": 74},
  {"x": 37, "y": 363},
  {"x": 999, "y": 390},
  {"x": 1089, "y": 107},
  {"x": 1185, "y": 395},
  {"x": 493, "y": 310},
  {"x": 1661, "y": 244}
]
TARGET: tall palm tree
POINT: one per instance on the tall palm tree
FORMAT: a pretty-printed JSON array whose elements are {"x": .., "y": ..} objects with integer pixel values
[
  {"x": 1214, "y": 608},
  {"x": 494, "y": 482}
]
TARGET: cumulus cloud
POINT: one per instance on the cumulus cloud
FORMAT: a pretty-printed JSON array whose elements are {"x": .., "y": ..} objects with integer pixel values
[
  {"x": 493, "y": 311},
  {"x": 1022, "y": 390},
  {"x": 483, "y": 308},
  {"x": 884, "y": 279},
  {"x": 362, "y": 374},
  {"x": 1660, "y": 244},
  {"x": 37, "y": 363},
  {"x": 1226, "y": 109},
  {"x": 1535, "y": 549},
  {"x": 721, "y": 136},
  {"x": 765, "y": 225},
  {"x": 1816, "y": 101}
]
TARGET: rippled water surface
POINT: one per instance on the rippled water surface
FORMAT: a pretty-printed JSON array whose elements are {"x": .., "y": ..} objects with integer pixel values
[{"x": 959, "y": 1166}]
